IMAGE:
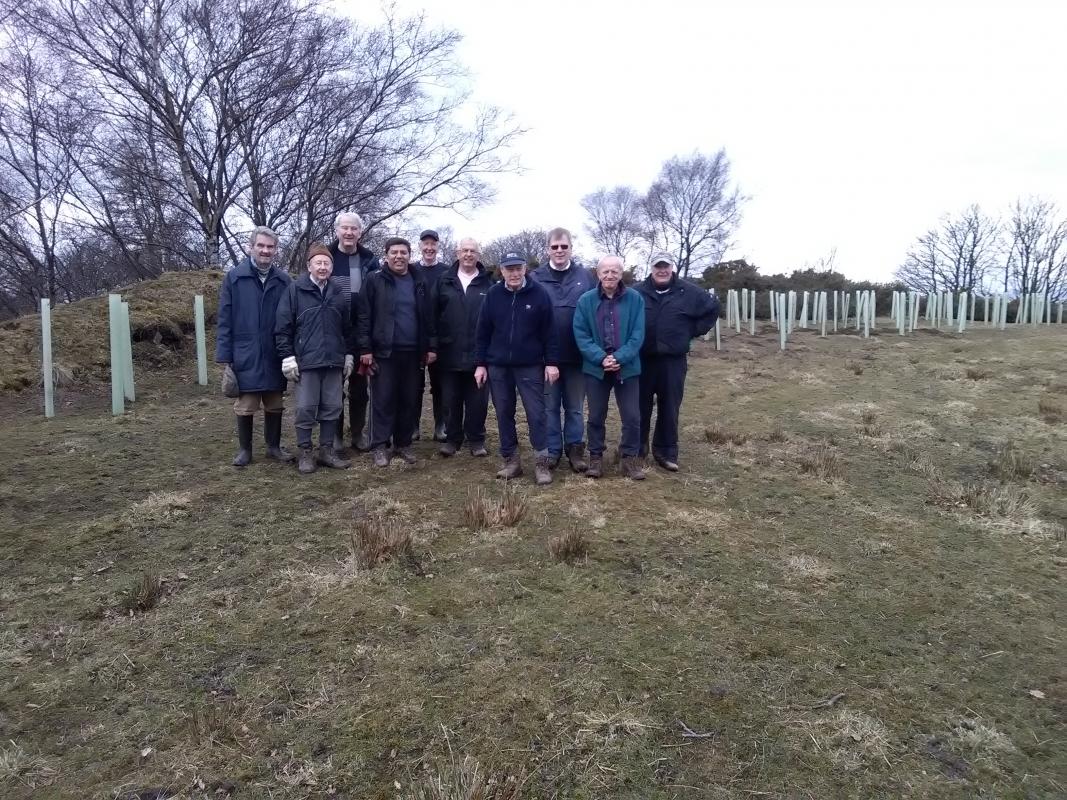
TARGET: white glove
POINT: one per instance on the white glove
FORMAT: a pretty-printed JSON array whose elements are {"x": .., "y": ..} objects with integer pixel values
[
  {"x": 350, "y": 364},
  {"x": 290, "y": 370}
]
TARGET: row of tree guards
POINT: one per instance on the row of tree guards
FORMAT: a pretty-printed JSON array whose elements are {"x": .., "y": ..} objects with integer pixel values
[
  {"x": 943, "y": 310},
  {"x": 121, "y": 343}
]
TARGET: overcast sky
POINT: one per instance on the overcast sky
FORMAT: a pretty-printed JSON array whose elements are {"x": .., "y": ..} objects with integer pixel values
[{"x": 851, "y": 124}]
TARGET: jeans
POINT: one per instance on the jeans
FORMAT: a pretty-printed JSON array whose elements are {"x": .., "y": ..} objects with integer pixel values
[
  {"x": 319, "y": 397},
  {"x": 567, "y": 393},
  {"x": 465, "y": 407},
  {"x": 394, "y": 396},
  {"x": 529, "y": 381},
  {"x": 626, "y": 398},
  {"x": 662, "y": 382}
]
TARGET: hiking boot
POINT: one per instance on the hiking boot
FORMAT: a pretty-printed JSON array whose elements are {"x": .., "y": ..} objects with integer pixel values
[
  {"x": 307, "y": 463},
  {"x": 666, "y": 463},
  {"x": 408, "y": 454},
  {"x": 479, "y": 451},
  {"x": 596, "y": 467},
  {"x": 512, "y": 468},
  {"x": 244, "y": 441},
  {"x": 543, "y": 470},
  {"x": 361, "y": 443},
  {"x": 553, "y": 460},
  {"x": 272, "y": 435},
  {"x": 632, "y": 469},
  {"x": 576, "y": 455},
  {"x": 328, "y": 458},
  {"x": 339, "y": 447},
  {"x": 439, "y": 432},
  {"x": 381, "y": 457},
  {"x": 448, "y": 449}
]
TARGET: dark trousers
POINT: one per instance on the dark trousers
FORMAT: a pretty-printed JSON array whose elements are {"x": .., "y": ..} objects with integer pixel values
[
  {"x": 530, "y": 384},
  {"x": 437, "y": 395},
  {"x": 627, "y": 395},
  {"x": 662, "y": 384},
  {"x": 465, "y": 407},
  {"x": 357, "y": 407},
  {"x": 394, "y": 396}
]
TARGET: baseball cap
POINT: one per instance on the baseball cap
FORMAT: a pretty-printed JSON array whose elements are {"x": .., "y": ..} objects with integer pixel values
[
  {"x": 429, "y": 233},
  {"x": 663, "y": 256},
  {"x": 512, "y": 260}
]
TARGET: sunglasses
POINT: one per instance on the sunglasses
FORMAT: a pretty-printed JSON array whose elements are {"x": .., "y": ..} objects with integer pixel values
[{"x": 559, "y": 247}]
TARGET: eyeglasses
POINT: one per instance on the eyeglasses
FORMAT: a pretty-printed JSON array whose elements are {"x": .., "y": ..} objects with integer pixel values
[{"x": 559, "y": 247}]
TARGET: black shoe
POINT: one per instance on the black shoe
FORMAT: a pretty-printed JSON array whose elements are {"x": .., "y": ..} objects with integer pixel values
[
  {"x": 479, "y": 451},
  {"x": 307, "y": 463},
  {"x": 244, "y": 440},
  {"x": 448, "y": 449},
  {"x": 666, "y": 463},
  {"x": 439, "y": 433}
]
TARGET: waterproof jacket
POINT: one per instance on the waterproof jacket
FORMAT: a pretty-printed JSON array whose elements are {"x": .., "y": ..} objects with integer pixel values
[
  {"x": 454, "y": 317},
  {"x": 565, "y": 287},
  {"x": 676, "y": 317},
  {"x": 515, "y": 329},
  {"x": 314, "y": 325},
  {"x": 630, "y": 306},
  {"x": 374, "y": 319},
  {"x": 245, "y": 337}
]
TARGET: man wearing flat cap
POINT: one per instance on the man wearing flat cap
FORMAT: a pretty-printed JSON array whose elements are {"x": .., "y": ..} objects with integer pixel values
[
  {"x": 430, "y": 269},
  {"x": 676, "y": 311}
]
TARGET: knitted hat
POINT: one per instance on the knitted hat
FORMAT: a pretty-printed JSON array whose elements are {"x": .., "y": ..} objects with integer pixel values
[{"x": 319, "y": 249}]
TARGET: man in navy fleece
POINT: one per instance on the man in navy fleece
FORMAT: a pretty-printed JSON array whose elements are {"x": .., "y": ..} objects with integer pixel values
[{"x": 517, "y": 349}]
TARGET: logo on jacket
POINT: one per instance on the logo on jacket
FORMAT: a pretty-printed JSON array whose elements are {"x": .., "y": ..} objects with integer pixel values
[{"x": 528, "y": 306}]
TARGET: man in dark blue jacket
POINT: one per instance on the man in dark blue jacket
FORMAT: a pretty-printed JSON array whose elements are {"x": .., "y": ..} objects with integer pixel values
[
  {"x": 455, "y": 305},
  {"x": 393, "y": 335},
  {"x": 676, "y": 311},
  {"x": 517, "y": 349},
  {"x": 248, "y": 302},
  {"x": 352, "y": 263},
  {"x": 565, "y": 280}
]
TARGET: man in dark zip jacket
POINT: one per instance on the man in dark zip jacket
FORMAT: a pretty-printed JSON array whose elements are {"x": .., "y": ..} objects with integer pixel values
[
  {"x": 455, "y": 304},
  {"x": 393, "y": 336},
  {"x": 516, "y": 349},
  {"x": 565, "y": 280},
  {"x": 676, "y": 311},
  {"x": 313, "y": 334},
  {"x": 248, "y": 302},
  {"x": 431, "y": 270},
  {"x": 352, "y": 263}
]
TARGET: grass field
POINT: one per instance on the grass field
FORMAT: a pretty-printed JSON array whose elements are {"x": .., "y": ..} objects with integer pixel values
[{"x": 854, "y": 588}]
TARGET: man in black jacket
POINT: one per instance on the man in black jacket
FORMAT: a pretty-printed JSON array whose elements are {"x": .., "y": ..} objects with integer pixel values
[
  {"x": 517, "y": 350},
  {"x": 455, "y": 303},
  {"x": 676, "y": 311},
  {"x": 393, "y": 336},
  {"x": 352, "y": 263},
  {"x": 431, "y": 271}
]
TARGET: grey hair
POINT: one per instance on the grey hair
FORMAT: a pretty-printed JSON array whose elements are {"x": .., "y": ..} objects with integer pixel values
[
  {"x": 559, "y": 233},
  {"x": 342, "y": 214},
  {"x": 261, "y": 230},
  {"x": 622, "y": 263}
]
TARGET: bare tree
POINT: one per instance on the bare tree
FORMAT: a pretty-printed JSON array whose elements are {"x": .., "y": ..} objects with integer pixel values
[
  {"x": 617, "y": 223},
  {"x": 529, "y": 243},
  {"x": 693, "y": 210},
  {"x": 955, "y": 256},
  {"x": 1036, "y": 259}
]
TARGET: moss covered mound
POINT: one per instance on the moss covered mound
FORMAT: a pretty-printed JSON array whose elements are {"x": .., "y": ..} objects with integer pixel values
[{"x": 161, "y": 322}]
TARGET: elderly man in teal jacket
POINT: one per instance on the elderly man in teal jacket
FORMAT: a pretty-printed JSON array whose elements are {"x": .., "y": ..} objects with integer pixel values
[{"x": 609, "y": 328}]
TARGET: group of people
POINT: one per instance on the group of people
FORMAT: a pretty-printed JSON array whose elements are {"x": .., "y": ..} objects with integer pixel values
[{"x": 561, "y": 338}]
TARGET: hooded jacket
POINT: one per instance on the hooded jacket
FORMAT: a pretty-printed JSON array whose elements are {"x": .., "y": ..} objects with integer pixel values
[
  {"x": 245, "y": 335},
  {"x": 454, "y": 317}
]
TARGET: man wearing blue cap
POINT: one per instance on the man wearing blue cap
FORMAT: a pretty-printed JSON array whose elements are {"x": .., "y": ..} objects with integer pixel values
[
  {"x": 517, "y": 351},
  {"x": 430, "y": 269}
]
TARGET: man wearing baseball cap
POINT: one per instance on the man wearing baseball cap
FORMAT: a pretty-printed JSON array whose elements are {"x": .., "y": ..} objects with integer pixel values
[
  {"x": 676, "y": 311},
  {"x": 430, "y": 269},
  {"x": 517, "y": 351}
]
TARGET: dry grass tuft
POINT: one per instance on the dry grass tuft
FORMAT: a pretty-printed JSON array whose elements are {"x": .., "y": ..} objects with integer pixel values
[
  {"x": 986, "y": 500},
  {"x": 869, "y": 416},
  {"x": 144, "y": 593},
  {"x": 976, "y": 734},
  {"x": 899, "y": 446},
  {"x": 979, "y": 373},
  {"x": 777, "y": 433},
  {"x": 807, "y": 567},
  {"x": 820, "y": 461},
  {"x": 376, "y": 540},
  {"x": 570, "y": 547},
  {"x": 466, "y": 781},
  {"x": 17, "y": 766},
  {"x": 1051, "y": 410},
  {"x": 855, "y": 366},
  {"x": 716, "y": 434},
  {"x": 160, "y": 507},
  {"x": 483, "y": 511},
  {"x": 1010, "y": 464}
]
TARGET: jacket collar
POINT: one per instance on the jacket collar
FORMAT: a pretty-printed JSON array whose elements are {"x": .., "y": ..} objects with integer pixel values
[
  {"x": 618, "y": 294},
  {"x": 245, "y": 269},
  {"x": 453, "y": 272},
  {"x": 305, "y": 283},
  {"x": 674, "y": 284}
]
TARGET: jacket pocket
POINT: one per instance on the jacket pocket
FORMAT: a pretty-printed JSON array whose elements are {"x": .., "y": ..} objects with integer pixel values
[{"x": 245, "y": 351}]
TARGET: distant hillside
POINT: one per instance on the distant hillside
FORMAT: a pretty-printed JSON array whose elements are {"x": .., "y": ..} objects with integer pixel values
[{"x": 161, "y": 320}]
